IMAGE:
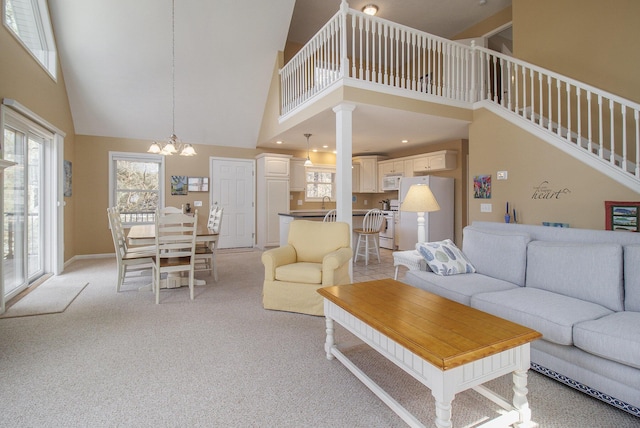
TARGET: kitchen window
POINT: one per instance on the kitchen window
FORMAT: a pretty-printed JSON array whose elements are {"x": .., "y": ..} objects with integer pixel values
[{"x": 320, "y": 183}]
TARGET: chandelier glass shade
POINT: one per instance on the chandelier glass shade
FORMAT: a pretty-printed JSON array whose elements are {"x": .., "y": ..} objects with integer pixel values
[{"x": 173, "y": 144}]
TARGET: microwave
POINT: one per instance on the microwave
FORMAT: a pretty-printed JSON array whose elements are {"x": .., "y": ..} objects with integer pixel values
[{"x": 391, "y": 182}]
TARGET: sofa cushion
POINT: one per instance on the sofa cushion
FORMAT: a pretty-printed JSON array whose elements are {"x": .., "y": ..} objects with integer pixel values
[
  {"x": 306, "y": 273},
  {"x": 553, "y": 315},
  {"x": 501, "y": 255},
  {"x": 459, "y": 288},
  {"x": 591, "y": 272},
  {"x": 632, "y": 277},
  {"x": 444, "y": 258},
  {"x": 614, "y": 337}
]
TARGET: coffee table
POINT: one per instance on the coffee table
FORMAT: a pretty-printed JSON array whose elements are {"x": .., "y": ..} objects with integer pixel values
[{"x": 447, "y": 346}]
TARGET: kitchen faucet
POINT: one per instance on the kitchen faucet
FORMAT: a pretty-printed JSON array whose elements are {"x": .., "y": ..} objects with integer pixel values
[{"x": 328, "y": 197}]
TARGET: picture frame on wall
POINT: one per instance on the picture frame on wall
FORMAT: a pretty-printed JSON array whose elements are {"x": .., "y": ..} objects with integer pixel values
[
  {"x": 198, "y": 184},
  {"x": 622, "y": 215},
  {"x": 179, "y": 185},
  {"x": 482, "y": 187}
]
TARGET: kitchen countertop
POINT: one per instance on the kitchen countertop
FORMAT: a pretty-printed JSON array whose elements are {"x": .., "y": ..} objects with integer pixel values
[{"x": 317, "y": 213}]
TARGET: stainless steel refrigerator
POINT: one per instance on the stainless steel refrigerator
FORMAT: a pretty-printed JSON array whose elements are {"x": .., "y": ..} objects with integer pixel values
[{"x": 438, "y": 224}]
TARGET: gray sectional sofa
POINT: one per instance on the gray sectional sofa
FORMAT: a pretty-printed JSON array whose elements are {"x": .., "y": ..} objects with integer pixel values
[{"x": 579, "y": 288}]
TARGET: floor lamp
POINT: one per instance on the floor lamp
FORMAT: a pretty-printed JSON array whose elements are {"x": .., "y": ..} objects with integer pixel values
[{"x": 419, "y": 200}]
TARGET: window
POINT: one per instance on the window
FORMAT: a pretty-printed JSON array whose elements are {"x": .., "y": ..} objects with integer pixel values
[
  {"x": 319, "y": 183},
  {"x": 28, "y": 21},
  {"x": 136, "y": 185}
]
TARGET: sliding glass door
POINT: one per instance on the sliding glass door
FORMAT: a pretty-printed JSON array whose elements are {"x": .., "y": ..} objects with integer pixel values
[{"x": 23, "y": 203}]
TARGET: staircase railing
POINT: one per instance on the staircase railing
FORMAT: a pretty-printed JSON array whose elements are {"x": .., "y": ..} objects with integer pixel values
[{"x": 353, "y": 45}]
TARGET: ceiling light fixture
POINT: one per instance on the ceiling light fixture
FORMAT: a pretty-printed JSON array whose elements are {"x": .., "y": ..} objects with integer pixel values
[
  {"x": 173, "y": 145},
  {"x": 308, "y": 161},
  {"x": 370, "y": 9}
]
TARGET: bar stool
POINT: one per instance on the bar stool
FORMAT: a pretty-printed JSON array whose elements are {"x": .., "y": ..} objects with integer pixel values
[{"x": 369, "y": 232}]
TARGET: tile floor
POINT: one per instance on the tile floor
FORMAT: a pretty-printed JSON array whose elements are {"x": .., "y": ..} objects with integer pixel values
[{"x": 375, "y": 270}]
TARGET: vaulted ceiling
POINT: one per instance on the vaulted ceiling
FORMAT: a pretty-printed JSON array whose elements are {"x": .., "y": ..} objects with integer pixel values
[{"x": 116, "y": 58}]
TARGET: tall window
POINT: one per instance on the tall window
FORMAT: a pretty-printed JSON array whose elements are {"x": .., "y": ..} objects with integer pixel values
[
  {"x": 136, "y": 184},
  {"x": 29, "y": 22},
  {"x": 319, "y": 183}
]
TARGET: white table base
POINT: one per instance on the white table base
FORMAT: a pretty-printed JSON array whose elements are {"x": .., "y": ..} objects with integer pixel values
[{"x": 443, "y": 384}]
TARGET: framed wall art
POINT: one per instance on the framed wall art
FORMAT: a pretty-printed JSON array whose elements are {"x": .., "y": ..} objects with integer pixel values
[
  {"x": 482, "y": 187},
  {"x": 198, "y": 184},
  {"x": 179, "y": 185},
  {"x": 621, "y": 215}
]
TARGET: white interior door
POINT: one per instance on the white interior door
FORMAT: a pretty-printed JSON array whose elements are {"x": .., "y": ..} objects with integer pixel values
[{"x": 232, "y": 189}]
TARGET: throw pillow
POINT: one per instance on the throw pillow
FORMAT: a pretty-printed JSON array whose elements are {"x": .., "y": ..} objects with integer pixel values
[{"x": 444, "y": 258}]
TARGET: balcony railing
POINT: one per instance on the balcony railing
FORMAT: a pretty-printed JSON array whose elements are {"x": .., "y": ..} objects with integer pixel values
[{"x": 359, "y": 47}]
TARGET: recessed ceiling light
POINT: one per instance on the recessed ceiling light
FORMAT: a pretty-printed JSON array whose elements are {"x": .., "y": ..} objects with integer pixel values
[
  {"x": 325, "y": 147},
  {"x": 278, "y": 142},
  {"x": 315, "y": 150},
  {"x": 405, "y": 141},
  {"x": 370, "y": 9}
]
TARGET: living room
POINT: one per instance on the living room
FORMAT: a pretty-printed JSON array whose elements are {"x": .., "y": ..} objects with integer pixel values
[{"x": 493, "y": 144}]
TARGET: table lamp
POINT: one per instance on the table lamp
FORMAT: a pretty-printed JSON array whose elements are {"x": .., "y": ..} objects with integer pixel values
[{"x": 420, "y": 199}]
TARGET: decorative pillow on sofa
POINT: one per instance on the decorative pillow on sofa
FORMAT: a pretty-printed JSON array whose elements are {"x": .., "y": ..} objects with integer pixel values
[{"x": 444, "y": 258}]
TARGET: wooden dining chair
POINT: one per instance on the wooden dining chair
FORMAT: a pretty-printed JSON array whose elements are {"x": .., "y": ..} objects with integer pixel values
[
  {"x": 129, "y": 259},
  {"x": 175, "y": 248},
  {"x": 369, "y": 234},
  {"x": 330, "y": 216},
  {"x": 206, "y": 252}
]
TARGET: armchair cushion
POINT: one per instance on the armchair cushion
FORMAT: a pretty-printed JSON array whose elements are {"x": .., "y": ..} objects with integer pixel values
[{"x": 304, "y": 272}]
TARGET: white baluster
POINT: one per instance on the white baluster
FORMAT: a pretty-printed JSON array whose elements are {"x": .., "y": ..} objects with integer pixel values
[
  {"x": 589, "y": 124},
  {"x": 559, "y": 107},
  {"x": 578, "y": 114},
  {"x": 360, "y": 76},
  {"x": 568, "y": 90},
  {"x": 612, "y": 141},
  {"x": 635, "y": 117},
  {"x": 550, "y": 116},
  {"x": 353, "y": 46},
  {"x": 380, "y": 52},
  {"x": 533, "y": 103},
  {"x": 524, "y": 92},
  {"x": 600, "y": 127},
  {"x": 623, "y": 164}
]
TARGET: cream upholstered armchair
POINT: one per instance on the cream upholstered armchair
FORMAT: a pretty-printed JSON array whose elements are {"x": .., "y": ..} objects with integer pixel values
[{"x": 317, "y": 255}]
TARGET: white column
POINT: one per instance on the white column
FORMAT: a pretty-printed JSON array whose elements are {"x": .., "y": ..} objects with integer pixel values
[{"x": 344, "y": 149}]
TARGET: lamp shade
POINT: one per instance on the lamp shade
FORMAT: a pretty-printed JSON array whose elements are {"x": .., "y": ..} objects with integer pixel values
[{"x": 420, "y": 199}]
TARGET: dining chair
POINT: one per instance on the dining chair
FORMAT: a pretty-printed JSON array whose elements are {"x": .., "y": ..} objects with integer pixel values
[
  {"x": 330, "y": 216},
  {"x": 129, "y": 259},
  {"x": 369, "y": 233},
  {"x": 170, "y": 210},
  {"x": 175, "y": 248},
  {"x": 206, "y": 252}
]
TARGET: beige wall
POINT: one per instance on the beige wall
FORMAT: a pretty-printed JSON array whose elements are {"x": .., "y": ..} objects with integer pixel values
[
  {"x": 592, "y": 41},
  {"x": 91, "y": 183},
  {"x": 576, "y": 192},
  {"x": 24, "y": 80}
]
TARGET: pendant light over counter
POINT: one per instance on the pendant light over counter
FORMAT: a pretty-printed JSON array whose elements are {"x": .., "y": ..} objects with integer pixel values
[{"x": 308, "y": 161}]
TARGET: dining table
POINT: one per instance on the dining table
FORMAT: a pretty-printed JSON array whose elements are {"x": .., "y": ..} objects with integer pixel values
[{"x": 145, "y": 234}]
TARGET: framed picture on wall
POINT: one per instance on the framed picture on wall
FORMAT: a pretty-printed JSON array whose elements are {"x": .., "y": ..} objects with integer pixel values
[
  {"x": 198, "y": 184},
  {"x": 621, "y": 215},
  {"x": 179, "y": 185},
  {"x": 482, "y": 187}
]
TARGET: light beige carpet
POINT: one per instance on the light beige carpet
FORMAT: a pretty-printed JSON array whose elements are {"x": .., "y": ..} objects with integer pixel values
[{"x": 51, "y": 297}]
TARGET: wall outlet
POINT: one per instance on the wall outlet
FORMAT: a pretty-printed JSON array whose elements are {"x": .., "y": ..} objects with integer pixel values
[
  {"x": 197, "y": 203},
  {"x": 486, "y": 208},
  {"x": 300, "y": 202}
]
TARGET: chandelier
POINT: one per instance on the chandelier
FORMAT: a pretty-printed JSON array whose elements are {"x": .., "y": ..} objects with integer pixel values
[
  {"x": 173, "y": 144},
  {"x": 308, "y": 161}
]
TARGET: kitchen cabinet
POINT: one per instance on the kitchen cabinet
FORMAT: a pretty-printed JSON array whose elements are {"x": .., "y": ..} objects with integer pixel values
[
  {"x": 436, "y": 161},
  {"x": 389, "y": 167},
  {"x": 408, "y": 168},
  {"x": 297, "y": 180},
  {"x": 272, "y": 197},
  {"x": 368, "y": 173}
]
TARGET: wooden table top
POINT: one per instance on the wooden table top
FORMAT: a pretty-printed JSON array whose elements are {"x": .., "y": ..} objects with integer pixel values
[{"x": 445, "y": 333}]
